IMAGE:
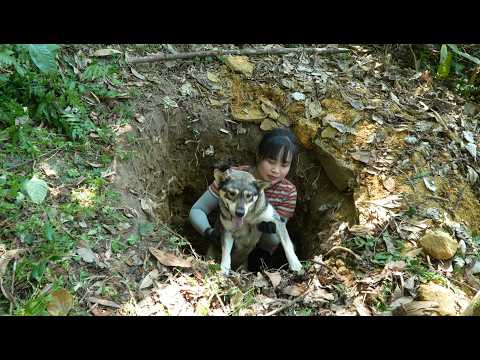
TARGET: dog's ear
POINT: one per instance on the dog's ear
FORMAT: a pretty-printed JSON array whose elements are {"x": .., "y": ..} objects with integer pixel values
[
  {"x": 219, "y": 176},
  {"x": 262, "y": 185}
]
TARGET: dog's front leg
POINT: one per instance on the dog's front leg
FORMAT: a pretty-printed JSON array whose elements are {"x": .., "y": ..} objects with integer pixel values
[
  {"x": 227, "y": 245},
  {"x": 287, "y": 245}
]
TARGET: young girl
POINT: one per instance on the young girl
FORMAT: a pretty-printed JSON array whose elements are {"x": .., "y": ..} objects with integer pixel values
[{"x": 275, "y": 154}]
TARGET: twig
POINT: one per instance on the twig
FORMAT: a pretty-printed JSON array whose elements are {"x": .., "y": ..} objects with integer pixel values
[
  {"x": 463, "y": 284},
  {"x": 221, "y": 303},
  {"x": 321, "y": 263},
  {"x": 344, "y": 249},
  {"x": 289, "y": 304},
  {"x": 13, "y": 285},
  {"x": 248, "y": 51},
  {"x": 103, "y": 302}
]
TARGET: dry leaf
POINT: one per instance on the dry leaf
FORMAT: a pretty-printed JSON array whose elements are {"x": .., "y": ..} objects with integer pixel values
[
  {"x": 240, "y": 64},
  {"x": 148, "y": 280},
  {"x": 87, "y": 255},
  {"x": 429, "y": 184},
  {"x": 103, "y": 302},
  {"x": 212, "y": 77},
  {"x": 270, "y": 111},
  {"x": 95, "y": 165},
  {"x": 168, "y": 259},
  {"x": 319, "y": 295},
  {"x": 417, "y": 308},
  {"x": 48, "y": 170},
  {"x": 298, "y": 96},
  {"x": 389, "y": 184},
  {"x": 137, "y": 74},
  {"x": 61, "y": 303},
  {"x": 106, "y": 52},
  {"x": 362, "y": 156},
  {"x": 140, "y": 118},
  {"x": 260, "y": 281},
  {"x": 361, "y": 308},
  {"x": 100, "y": 312},
  {"x": 294, "y": 290},
  {"x": 275, "y": 278},
  {"x": 314, "y": 109},
  {"x": 147, "y": 206}
]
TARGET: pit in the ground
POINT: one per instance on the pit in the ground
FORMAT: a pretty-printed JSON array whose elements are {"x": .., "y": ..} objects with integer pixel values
[{"x": 175, "y": 161}]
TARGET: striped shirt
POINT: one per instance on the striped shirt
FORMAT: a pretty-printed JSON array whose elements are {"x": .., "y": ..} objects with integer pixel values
[{"x": 282, "y": 195}]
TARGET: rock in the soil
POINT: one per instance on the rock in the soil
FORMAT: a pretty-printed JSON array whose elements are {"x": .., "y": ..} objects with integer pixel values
[
  {"x": 306, "y": 130},
  {"x": 240, "y": 64},
  {"x": 340, "y": 173},
  {"x": 248, "y": 114},
  {"x": 268, "y": 124},
  {"x": 444, "y": 297},
  {"x": 329, "y": 133},
  {"x": 439, "y": 245}
]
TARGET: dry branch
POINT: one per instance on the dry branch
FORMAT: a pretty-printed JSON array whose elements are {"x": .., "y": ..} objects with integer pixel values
[
  {"x": 290, "y": 303},
  {"x": 249, "y": 51}
]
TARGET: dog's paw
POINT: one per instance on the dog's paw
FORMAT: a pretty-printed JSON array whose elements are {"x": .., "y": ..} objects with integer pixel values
[
  {"x": 226, "y": 272},
  {"x": 297, "y": 267}
]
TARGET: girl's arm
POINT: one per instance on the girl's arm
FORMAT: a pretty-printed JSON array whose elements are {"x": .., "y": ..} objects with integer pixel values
[{"x": 199, "y": 211}]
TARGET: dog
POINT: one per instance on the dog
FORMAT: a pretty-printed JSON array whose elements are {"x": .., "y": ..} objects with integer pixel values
[{"x": 243, "y": 205}]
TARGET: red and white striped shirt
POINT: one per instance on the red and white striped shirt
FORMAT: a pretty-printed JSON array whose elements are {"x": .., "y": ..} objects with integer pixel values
[{"x": 282, "y": 195}]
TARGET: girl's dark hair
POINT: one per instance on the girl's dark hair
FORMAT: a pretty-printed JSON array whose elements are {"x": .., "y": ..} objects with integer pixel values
[{"x": 278, "y": 141}]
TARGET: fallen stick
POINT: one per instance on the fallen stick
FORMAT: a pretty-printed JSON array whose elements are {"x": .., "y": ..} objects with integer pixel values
[
  {"x": 287, "y": 305},
  {"x": 103, "y": 302},
  {"x": 344, "y": 249},
  {"x": 249, "y": 51}
]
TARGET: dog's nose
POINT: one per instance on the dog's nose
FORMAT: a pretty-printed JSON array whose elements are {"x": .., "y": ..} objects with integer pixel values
[{"x": 240, "y": 212}]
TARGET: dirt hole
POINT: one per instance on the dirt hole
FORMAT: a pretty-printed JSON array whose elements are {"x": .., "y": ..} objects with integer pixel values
[{"x": 173, "y": 163}]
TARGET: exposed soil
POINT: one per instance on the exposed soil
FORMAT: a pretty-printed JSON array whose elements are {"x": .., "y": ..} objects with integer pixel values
[{"x": 174, "y": 167}]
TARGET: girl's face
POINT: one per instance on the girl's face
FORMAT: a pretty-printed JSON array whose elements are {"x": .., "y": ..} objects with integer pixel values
[{"x": 274, "y": 170}]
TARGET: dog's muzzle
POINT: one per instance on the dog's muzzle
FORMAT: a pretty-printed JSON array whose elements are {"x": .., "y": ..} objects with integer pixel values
[{"x": 238, "y": 218}]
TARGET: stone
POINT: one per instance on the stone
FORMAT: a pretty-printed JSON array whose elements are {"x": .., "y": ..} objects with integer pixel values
[
  {"x": 329, "y": 133},
  {"x": 445, "y": 298},
  {"x": 340, "y": 173},
  {"x": 439, "y": 245},
  {"x": 268, "y": 124},
  {"x": 240, "y": 64},
  {"x": 248, "y": 114},
  {"x": 306, "y": 130}
]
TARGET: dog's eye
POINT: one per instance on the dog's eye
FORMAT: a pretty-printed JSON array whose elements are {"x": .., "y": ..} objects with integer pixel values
[
  {"x": 231, "y": 193},
  {"x": 248, "y": 196}
]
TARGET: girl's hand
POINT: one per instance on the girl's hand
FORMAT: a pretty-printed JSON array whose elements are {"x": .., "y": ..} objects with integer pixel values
[
  {"x": 213, "y": 236},
  {"x": 267, "y": 227}
]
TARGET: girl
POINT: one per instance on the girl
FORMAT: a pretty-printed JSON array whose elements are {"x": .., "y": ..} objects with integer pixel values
[{"x": 275, "y": 154}]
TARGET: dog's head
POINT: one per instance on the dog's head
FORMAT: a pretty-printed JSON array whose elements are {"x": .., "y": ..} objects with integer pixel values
[{"x": 239, "y": 191}]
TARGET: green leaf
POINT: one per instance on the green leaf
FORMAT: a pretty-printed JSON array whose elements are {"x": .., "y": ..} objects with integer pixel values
[
  {"x": 445, "y": 62},
  {"x": 457, "y": 51},
  {"x": 38, "y": 270},
  {"x": 27, "y": 238},
  {"x": 133, "y": 239},
  {"x": 145, "y": 229},
  {"x": 36, "y": 189},
  {"x": 6, "y": 57},
  {"x": 48, "y": 232},
  {"x": 43, "y": 56}
]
